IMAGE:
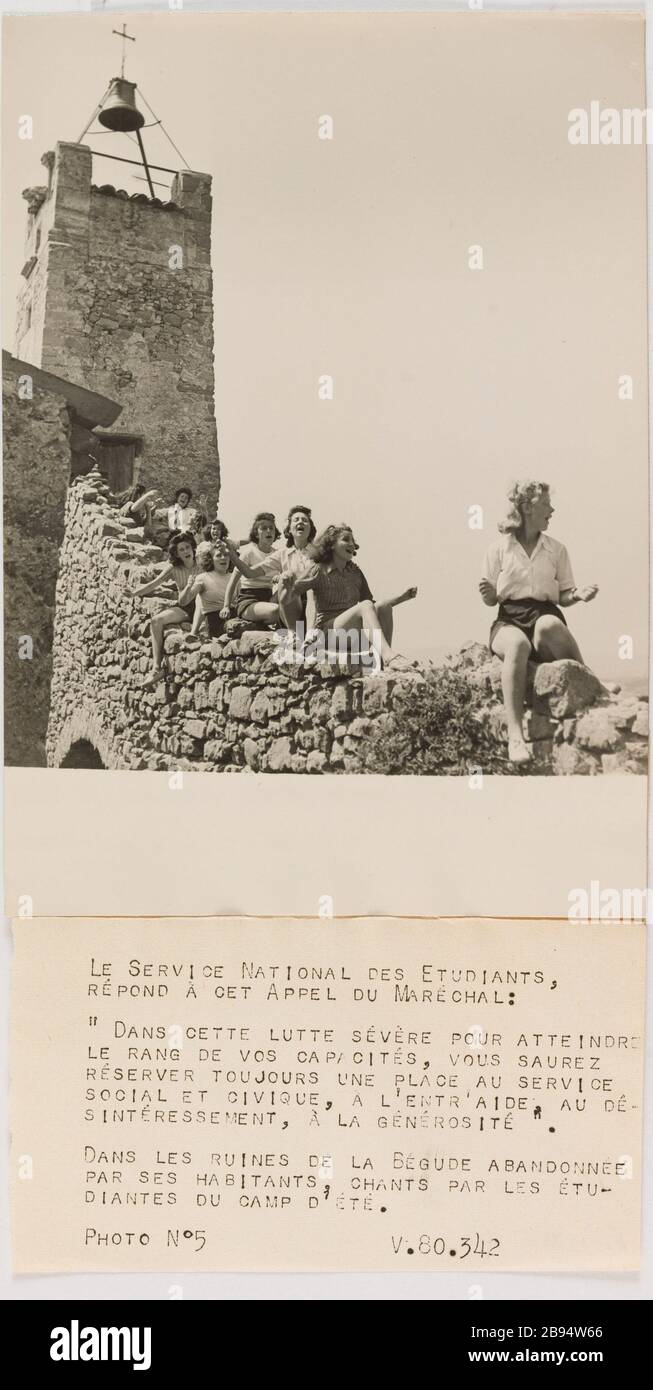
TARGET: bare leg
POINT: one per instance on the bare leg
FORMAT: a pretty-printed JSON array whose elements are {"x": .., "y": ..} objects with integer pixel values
[
  {"x": 553, "y": 640},
  {"x": 365, "y": 617},
  {"x": 261, "y": 612},
  {"x": 170, "y": 617},
  {"x": 385, "y": 608},
  {"x": 514, "y": 648},
  {"x": 291, "y": 607},
  {"x": 197, "y": 617},
  {"x": 386, "y": 624}
]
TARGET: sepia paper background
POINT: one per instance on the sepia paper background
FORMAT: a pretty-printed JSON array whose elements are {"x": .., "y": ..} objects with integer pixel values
[
  {"x": 81, "y": 844},
  {"x": 532, "y": 991},
  {"x": 120, "y": 843}
]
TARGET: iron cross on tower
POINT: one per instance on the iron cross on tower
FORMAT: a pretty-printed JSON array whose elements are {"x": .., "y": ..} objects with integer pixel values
[{"x": 122, "y": 34}]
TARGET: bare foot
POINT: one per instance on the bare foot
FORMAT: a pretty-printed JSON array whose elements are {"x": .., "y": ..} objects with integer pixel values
[
  {"x": 518, "y": 750},
  {"x": 407, "y": 594},
  {"x": 153, "y": 679}
]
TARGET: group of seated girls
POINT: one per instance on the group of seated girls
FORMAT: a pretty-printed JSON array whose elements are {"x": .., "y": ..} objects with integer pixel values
[
  {"x": 266, "y": 582},
  {"x": 161, "y": 520},
  {"x": 527, "y": 575}
]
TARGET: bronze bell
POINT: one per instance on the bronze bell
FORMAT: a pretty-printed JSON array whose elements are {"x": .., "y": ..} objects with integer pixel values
[{"x": 120, "y": 111}]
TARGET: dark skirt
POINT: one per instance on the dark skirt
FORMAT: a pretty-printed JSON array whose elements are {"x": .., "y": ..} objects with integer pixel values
[
  {"x": 244, "y": 599},
  {"x": 215, "y": 623},
  {"x": 524, "y": 613}
]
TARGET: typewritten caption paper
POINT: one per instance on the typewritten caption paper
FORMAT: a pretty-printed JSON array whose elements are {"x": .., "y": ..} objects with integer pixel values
[{"x": 378, "y": 1094}]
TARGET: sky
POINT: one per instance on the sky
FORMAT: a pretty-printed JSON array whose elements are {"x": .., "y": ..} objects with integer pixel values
[{"x": 350, "y": 257}]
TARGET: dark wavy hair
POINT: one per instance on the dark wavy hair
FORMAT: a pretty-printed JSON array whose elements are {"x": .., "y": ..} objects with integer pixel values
[
  {"x": 176, "y": 539},
  {"x": 262, "y": 516},
  {"x": 183, "y": 489},
  {"x": 215, "y": 525},
  {"x": 312, "y": 528},
  {"x": 323, "y": 546}
]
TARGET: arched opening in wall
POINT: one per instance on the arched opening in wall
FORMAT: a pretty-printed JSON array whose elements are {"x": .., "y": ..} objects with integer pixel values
[{"x": 82, "y": 754}]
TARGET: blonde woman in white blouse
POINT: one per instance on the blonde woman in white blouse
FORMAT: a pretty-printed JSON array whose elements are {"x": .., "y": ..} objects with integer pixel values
[{"x": 529, "y": 575}]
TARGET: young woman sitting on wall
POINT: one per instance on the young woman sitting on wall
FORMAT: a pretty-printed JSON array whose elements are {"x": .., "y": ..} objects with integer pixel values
[
  {"x": 138, "y": 504},
  {"x": 182, "y": 568},
  {"x": 260, "y": 567},
  {"x": 210, "y": 587},
  {"x": 529, "y": 575},
  {"x": 343, "y": 598}
]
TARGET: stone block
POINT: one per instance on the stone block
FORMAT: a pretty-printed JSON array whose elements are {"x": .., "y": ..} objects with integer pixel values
[
  {"x": 359, "y": 728},
  {"x": 640, "y": 725},
  {"x": 566, "y": 687},
  {"x": 257, "y": 641},
  {"x": 240, "y": 703},
  {"x": 279, "y": 758},
  {"x": 377, "y": 694},
  {"x": 266, "y": 705},
  {"x": 252, "y": 751},
  {"x": 215, "y": 692},
  {"x": 598, "y": 729},
  {"x": 568, "y": 761},
  {"x": 622, "y": 761},
  {"x": 328, "y": 671},
  {"x": 201, "y": 695},
  {"x": 341, "y": 703},
  {"x": 216, "y": 750},
  {"x": 316, "y": 761},
  {"x": 319, "y": 709},
  {"x": 195, "y": 728}
]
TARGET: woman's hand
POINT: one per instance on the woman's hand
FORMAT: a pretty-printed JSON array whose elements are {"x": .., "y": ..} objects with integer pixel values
[
  {"x": 587, "y": 594},
  {"x": 225, "y": 613},
  {"x": 488, "y": 592},
  {"x": 286, "y": 585}
]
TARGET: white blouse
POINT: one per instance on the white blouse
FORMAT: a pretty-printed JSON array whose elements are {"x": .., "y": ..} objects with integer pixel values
[
  {"x": 296, "y": 562},
  {"x": 545, "y": 574},
  {"x": 270, "y": 562},
  {"x": 179, "y": 518}
]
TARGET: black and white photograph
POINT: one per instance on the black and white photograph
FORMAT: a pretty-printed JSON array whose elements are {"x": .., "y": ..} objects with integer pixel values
[{"x": 323, "y": 453}]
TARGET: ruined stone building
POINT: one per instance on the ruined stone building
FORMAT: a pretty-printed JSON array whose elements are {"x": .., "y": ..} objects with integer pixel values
[
  {"x": 117, "y": 297},
  {"x": 113, "y": 367}
]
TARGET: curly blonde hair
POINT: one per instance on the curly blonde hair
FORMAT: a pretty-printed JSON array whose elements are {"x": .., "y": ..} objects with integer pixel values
[{"x": 519, "y": 496}]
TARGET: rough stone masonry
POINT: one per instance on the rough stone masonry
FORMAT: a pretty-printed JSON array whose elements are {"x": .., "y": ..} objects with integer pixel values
[
  {"x": 117, "y": 296},
  {"x": 227, "y": 705}
]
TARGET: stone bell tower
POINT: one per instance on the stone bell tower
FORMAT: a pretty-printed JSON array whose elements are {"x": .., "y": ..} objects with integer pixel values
[{"x": 117, "y": 297}]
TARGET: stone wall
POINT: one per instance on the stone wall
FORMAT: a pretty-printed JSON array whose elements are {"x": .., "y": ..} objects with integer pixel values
[
  {"x": 573, "y": 723},
  {"x": 36, "y": 467},
  {"x": 102, "y": 304},
  {"x": 44, "y": 438},
  {"x": 229, "y": 705}
]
